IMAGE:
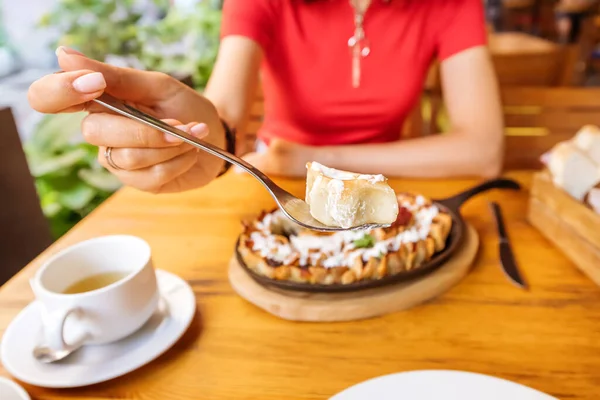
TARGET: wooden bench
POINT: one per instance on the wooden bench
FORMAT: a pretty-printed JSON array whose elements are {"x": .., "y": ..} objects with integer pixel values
[{"x": 538, "y": 118}]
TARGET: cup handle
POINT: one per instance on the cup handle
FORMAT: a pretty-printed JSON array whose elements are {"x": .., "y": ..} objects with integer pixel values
[{"x": 54, "y": 326}]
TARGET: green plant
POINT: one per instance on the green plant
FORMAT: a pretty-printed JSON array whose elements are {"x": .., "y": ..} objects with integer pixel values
[
  {"x": 69, "y": 180},
  {"x": 184, "y": 42},
  {"x": 179, "y": 42},
  {"x": 99, "y": 28}
]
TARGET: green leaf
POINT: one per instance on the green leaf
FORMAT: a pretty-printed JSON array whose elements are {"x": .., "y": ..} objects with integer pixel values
[
  {"x": 100, "y": 179},
  {"x": 56, "y": 131},
  {"x": 366, "y": 241},
  {"x": 51, "y": 209},
  {"x": 49, "y": 202},
  {"x": 45, "y": 165},
  {"x": 77, "y": 196}
]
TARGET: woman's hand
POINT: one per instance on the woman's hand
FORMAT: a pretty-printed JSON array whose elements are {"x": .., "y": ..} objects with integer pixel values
[
  {"x": 283, "y": 158},
  {"x": 144, "y": 157}
]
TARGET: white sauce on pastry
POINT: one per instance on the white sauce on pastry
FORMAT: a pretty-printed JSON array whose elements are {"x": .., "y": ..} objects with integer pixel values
[{"x": 338, "y": 249}]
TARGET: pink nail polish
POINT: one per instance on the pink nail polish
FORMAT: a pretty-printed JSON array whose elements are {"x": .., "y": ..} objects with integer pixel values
[
  {"x": 67, "y": 50},
  {"x": 200, "y": 130},
  {"x": 90, "y": 83}
]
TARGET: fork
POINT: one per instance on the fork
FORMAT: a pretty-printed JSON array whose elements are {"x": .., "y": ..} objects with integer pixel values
[{"x": 292, "y": 207}]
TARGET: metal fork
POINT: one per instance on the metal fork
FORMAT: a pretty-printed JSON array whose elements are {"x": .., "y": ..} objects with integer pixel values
[{"x": 292, "y": 207}]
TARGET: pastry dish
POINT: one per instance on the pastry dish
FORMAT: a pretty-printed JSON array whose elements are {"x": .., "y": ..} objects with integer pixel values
[
  {"x": 347, "y": 199},
  {"x": 273, "y": 247}
]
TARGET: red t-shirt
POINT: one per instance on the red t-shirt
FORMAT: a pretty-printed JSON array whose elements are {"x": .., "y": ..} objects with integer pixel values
[{"x": 307, "y": 67}]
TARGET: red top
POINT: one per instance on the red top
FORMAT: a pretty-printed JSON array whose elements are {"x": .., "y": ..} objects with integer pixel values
[{"x": 307, "y": 68}]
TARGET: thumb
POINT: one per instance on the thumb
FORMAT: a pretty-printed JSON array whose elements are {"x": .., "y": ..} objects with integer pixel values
[
  {"x": 65, "y": 92},
  {"x": 125, "y": 83}
]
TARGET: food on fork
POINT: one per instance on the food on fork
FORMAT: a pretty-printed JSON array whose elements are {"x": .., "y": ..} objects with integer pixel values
[
  {"x": 275, "y": 248},
  {"x": 348, "y": 199}
]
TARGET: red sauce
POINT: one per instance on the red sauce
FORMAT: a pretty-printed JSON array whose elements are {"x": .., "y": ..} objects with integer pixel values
[{"x": 404, "y": 217}]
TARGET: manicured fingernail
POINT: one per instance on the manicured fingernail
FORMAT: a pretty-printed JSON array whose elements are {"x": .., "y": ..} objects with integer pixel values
[
  {"x": 200, "y": 130},
  {"x": 67, "y": 50},
  {"x": 90, "y": 83}
]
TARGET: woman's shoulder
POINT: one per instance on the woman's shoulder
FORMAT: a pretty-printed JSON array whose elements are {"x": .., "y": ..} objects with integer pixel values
[
  {"x": 439, "y": 13},
  {"x": 455, "y": 24},
  {"x": 255, "y": 19}
]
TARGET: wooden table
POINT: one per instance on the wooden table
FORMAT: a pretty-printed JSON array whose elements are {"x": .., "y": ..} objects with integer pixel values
[{"x": 548, "y": 338}]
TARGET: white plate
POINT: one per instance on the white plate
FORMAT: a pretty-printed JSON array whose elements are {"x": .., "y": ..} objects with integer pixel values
[
  {"x": 9, "y": 390},
  {"x": 439, "y": 385},
  {"x": 94, "y": 364}
]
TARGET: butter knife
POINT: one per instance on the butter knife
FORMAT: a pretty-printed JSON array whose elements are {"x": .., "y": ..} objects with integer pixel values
[{"x": 507, "y": 258}]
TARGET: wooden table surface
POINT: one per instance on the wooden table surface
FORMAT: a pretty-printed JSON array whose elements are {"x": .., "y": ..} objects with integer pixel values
[{"x": 547, "y": 338}]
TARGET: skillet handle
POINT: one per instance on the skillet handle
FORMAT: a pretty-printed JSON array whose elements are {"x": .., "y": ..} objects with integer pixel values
[{"x": 456, "y": 201}]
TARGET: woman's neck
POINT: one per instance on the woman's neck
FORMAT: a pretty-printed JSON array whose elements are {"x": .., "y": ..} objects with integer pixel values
[{"x": 361, "y": 5}]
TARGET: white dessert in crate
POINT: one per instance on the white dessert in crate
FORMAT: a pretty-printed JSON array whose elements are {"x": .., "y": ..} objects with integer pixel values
[
  {"x": 347, "y": 199},
  {"x": 588, "y": 141},
  {"x": 575, "y": 166},
  {"x": 275, "y": 248},
  {"x": 573, "y": 170}
]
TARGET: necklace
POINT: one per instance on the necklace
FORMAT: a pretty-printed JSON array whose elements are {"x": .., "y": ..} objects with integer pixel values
[{"x": 358, "y": 43}]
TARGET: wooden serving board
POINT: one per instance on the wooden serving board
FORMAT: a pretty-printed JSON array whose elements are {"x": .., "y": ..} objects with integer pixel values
[
  {"x": 567, "y": 223},
  {"x": 368, "y": 303}
]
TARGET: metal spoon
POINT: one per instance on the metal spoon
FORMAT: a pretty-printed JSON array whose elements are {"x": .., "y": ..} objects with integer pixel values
[
  {"x": 294, "y": 208},
  {"x": 46, "y": 355}
]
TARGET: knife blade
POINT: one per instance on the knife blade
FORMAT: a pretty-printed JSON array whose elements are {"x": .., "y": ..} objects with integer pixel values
[{"x": 507, "y": 257}]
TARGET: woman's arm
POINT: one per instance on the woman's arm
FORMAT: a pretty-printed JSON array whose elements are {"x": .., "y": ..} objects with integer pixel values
[
  {"x": 233, "y": 83},
  {"x": 473, "y": 147}
]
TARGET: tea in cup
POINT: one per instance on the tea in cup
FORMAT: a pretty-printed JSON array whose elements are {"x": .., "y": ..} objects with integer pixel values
[{"x": 97, "y": 291}]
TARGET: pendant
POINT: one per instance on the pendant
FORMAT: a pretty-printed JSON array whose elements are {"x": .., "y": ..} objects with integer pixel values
[{"x": 360, "y": 48}]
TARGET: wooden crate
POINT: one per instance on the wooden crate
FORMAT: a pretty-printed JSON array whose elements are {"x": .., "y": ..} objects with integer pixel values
[{"x": 567, "y": 223}]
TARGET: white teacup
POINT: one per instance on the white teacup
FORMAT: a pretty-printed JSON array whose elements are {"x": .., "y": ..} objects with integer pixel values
[{"x": 104, "y": 314}]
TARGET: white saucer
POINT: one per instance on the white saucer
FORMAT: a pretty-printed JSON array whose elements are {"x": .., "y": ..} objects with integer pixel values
[
  {"x": 9, "y": 390},
  {"x": 432, "y": 385},
  {"x": 94, "y": 364}
]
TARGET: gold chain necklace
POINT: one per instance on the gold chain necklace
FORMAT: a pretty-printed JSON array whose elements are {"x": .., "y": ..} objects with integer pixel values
[{"x": 358, "y": 43}]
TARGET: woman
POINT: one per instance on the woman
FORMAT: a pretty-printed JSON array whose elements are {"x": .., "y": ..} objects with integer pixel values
[{"x": 339, "y": 78}]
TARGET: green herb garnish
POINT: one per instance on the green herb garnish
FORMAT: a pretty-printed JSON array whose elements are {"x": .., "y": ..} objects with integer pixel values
[{"x": 365, "y": 241}]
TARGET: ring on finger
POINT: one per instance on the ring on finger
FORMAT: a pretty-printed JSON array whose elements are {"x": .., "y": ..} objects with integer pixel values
[{"x": 109, "y": 160}]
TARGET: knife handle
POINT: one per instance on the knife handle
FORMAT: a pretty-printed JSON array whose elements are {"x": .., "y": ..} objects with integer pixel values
[{"x": 499, "y": 221}]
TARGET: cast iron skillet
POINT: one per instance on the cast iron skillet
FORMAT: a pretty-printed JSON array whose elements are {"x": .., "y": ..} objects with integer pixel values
[{"x": 451, "y": 205}]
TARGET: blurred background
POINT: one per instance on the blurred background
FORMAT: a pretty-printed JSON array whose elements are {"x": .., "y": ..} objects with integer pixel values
[{"x": 543, "y": 50}]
